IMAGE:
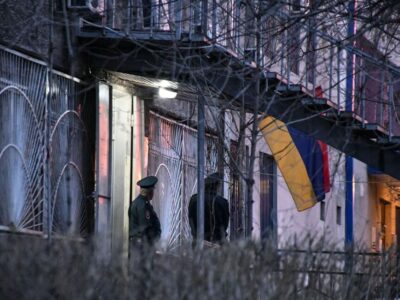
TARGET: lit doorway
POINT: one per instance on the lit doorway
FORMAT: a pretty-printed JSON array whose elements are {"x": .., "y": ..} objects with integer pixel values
[
  {"x": 121, "y": 169},
  {"x": 385, "y": 224},
  {"x": 120, "y": 163}
]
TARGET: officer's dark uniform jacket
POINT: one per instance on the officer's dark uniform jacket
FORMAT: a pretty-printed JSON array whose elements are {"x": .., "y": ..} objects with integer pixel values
[
  {"x": 144, "y": 225},
  {"x": 216, "y": 217}
]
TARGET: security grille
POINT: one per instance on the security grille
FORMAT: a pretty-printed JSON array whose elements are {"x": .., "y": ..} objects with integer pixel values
[
  {"x": 173, "y": 158},
  {"x": 39, "y": 194},
  {"x": 22, "y": 102}
]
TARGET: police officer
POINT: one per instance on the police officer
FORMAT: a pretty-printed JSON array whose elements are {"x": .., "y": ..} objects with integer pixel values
[
  {"x": 144, "y": 225},
  {"x": 216, "y": 211}
]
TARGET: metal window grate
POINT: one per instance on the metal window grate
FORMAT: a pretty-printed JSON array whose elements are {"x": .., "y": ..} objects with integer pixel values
[{"x": 24, "y": 88}]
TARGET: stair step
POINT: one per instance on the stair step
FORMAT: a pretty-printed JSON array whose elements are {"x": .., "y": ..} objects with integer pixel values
[
  {"x": 387, "y": 140},
  {"x": 371, "y": 129},
  {"x": 317, "y": 103},
  {"x": 289, "y": 89}
]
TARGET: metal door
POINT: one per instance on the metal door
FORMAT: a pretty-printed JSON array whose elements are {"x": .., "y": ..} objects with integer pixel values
[{"x": 120, "y": 170}]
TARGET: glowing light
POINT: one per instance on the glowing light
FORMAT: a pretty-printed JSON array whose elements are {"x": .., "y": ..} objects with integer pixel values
[
  {"x": 164, "y": 93},
  {"x": 164, "y": 84}
]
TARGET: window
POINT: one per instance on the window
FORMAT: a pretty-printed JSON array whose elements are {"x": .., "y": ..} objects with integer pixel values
[
  {"x": 339, "y": 215},
  {"x": 322, "y": 210},
  {"x": 236, "y": 203},
  {"x": 267, "y": 194}
]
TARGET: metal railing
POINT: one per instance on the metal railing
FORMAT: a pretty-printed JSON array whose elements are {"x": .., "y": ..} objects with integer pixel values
[
  {"x": 63, "y": 208},
  {"x": 274, "y": 41}
]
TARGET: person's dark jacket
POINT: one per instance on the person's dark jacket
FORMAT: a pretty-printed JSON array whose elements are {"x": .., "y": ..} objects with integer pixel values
[
  {"x": 144, "y": 225},
  {"x": 216, "y": 217}
]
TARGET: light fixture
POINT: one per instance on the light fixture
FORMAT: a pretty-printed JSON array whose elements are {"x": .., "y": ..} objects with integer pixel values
[
  {"x": 164, "y": 84},
  {"x": 164, "y": 93}
]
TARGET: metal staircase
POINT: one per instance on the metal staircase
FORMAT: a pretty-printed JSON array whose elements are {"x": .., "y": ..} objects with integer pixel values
[{"x": 185, "y": 41}]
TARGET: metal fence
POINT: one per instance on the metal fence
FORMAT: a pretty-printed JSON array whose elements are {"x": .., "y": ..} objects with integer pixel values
[
  {"x": 45, "y": 165},
  {"x": 173, "y": 158},
  {"x": 331, "y": 272}
]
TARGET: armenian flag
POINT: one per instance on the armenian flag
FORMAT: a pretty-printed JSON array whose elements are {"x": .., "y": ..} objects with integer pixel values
[{"x": 302, "y": 160}]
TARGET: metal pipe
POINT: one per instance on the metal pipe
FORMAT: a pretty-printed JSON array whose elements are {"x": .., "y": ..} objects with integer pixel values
[
  {"x": 282, "y": 52},
  {"x": 314, "y": 62},
  {"x": 47, "y": 146},
  {"x": 363, "y": 83},
  {"x": 338, "y": 78},
  {"x": 380, "y": 113},
  {"x": 200, "y": 170},
  {"x": 330, "y": 72},
  {"x": 349, "y": 230},
  {"x": 391, "y": 110}
]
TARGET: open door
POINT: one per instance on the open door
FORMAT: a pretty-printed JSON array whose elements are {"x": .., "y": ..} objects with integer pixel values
[
  {"x": 116, "y": 165},
  {"x": 103, "y": 165},
  {"x": 385, "y": 224},
  {"x": 121, "y": 184}
]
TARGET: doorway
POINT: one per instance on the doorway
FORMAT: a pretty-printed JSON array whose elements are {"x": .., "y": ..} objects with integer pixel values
[
  {"x": 384, "y": 224},
  {"x": 268, "y": 211},
  {"x": 120, "y": 160},
  {"x": 121, "y": 169}
]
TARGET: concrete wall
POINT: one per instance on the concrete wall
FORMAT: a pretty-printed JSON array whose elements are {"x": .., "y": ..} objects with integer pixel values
[
  {"x": 25, "y": 26},
  {"x": 363, "y": 206},
  {"x": 300, "y": 228}
]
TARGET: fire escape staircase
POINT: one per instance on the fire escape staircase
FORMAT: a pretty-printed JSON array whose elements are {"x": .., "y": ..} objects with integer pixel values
[{"x": 150, "y": 53}]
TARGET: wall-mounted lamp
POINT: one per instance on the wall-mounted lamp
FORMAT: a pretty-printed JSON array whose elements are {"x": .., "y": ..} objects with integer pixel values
[{"x": 164, "y": 93}]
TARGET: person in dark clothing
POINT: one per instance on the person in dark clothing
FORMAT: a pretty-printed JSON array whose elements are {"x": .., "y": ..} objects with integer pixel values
[
  {"x": 216, "y": 212},
  {"x": 144, "y": 225}
]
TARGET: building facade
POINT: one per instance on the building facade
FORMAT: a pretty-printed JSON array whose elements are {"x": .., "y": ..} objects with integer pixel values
[{"x": 83, "y": 118}]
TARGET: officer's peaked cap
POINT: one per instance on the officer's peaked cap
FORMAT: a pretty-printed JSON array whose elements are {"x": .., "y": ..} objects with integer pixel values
[
  {"x": 213, "y": 178},
  {"x": 147, "y": 182}
]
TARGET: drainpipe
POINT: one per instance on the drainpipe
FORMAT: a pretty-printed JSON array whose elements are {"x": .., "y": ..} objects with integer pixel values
[
  {"x": 349, "y": 222},
  {"x": 47, "y": 139}
]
